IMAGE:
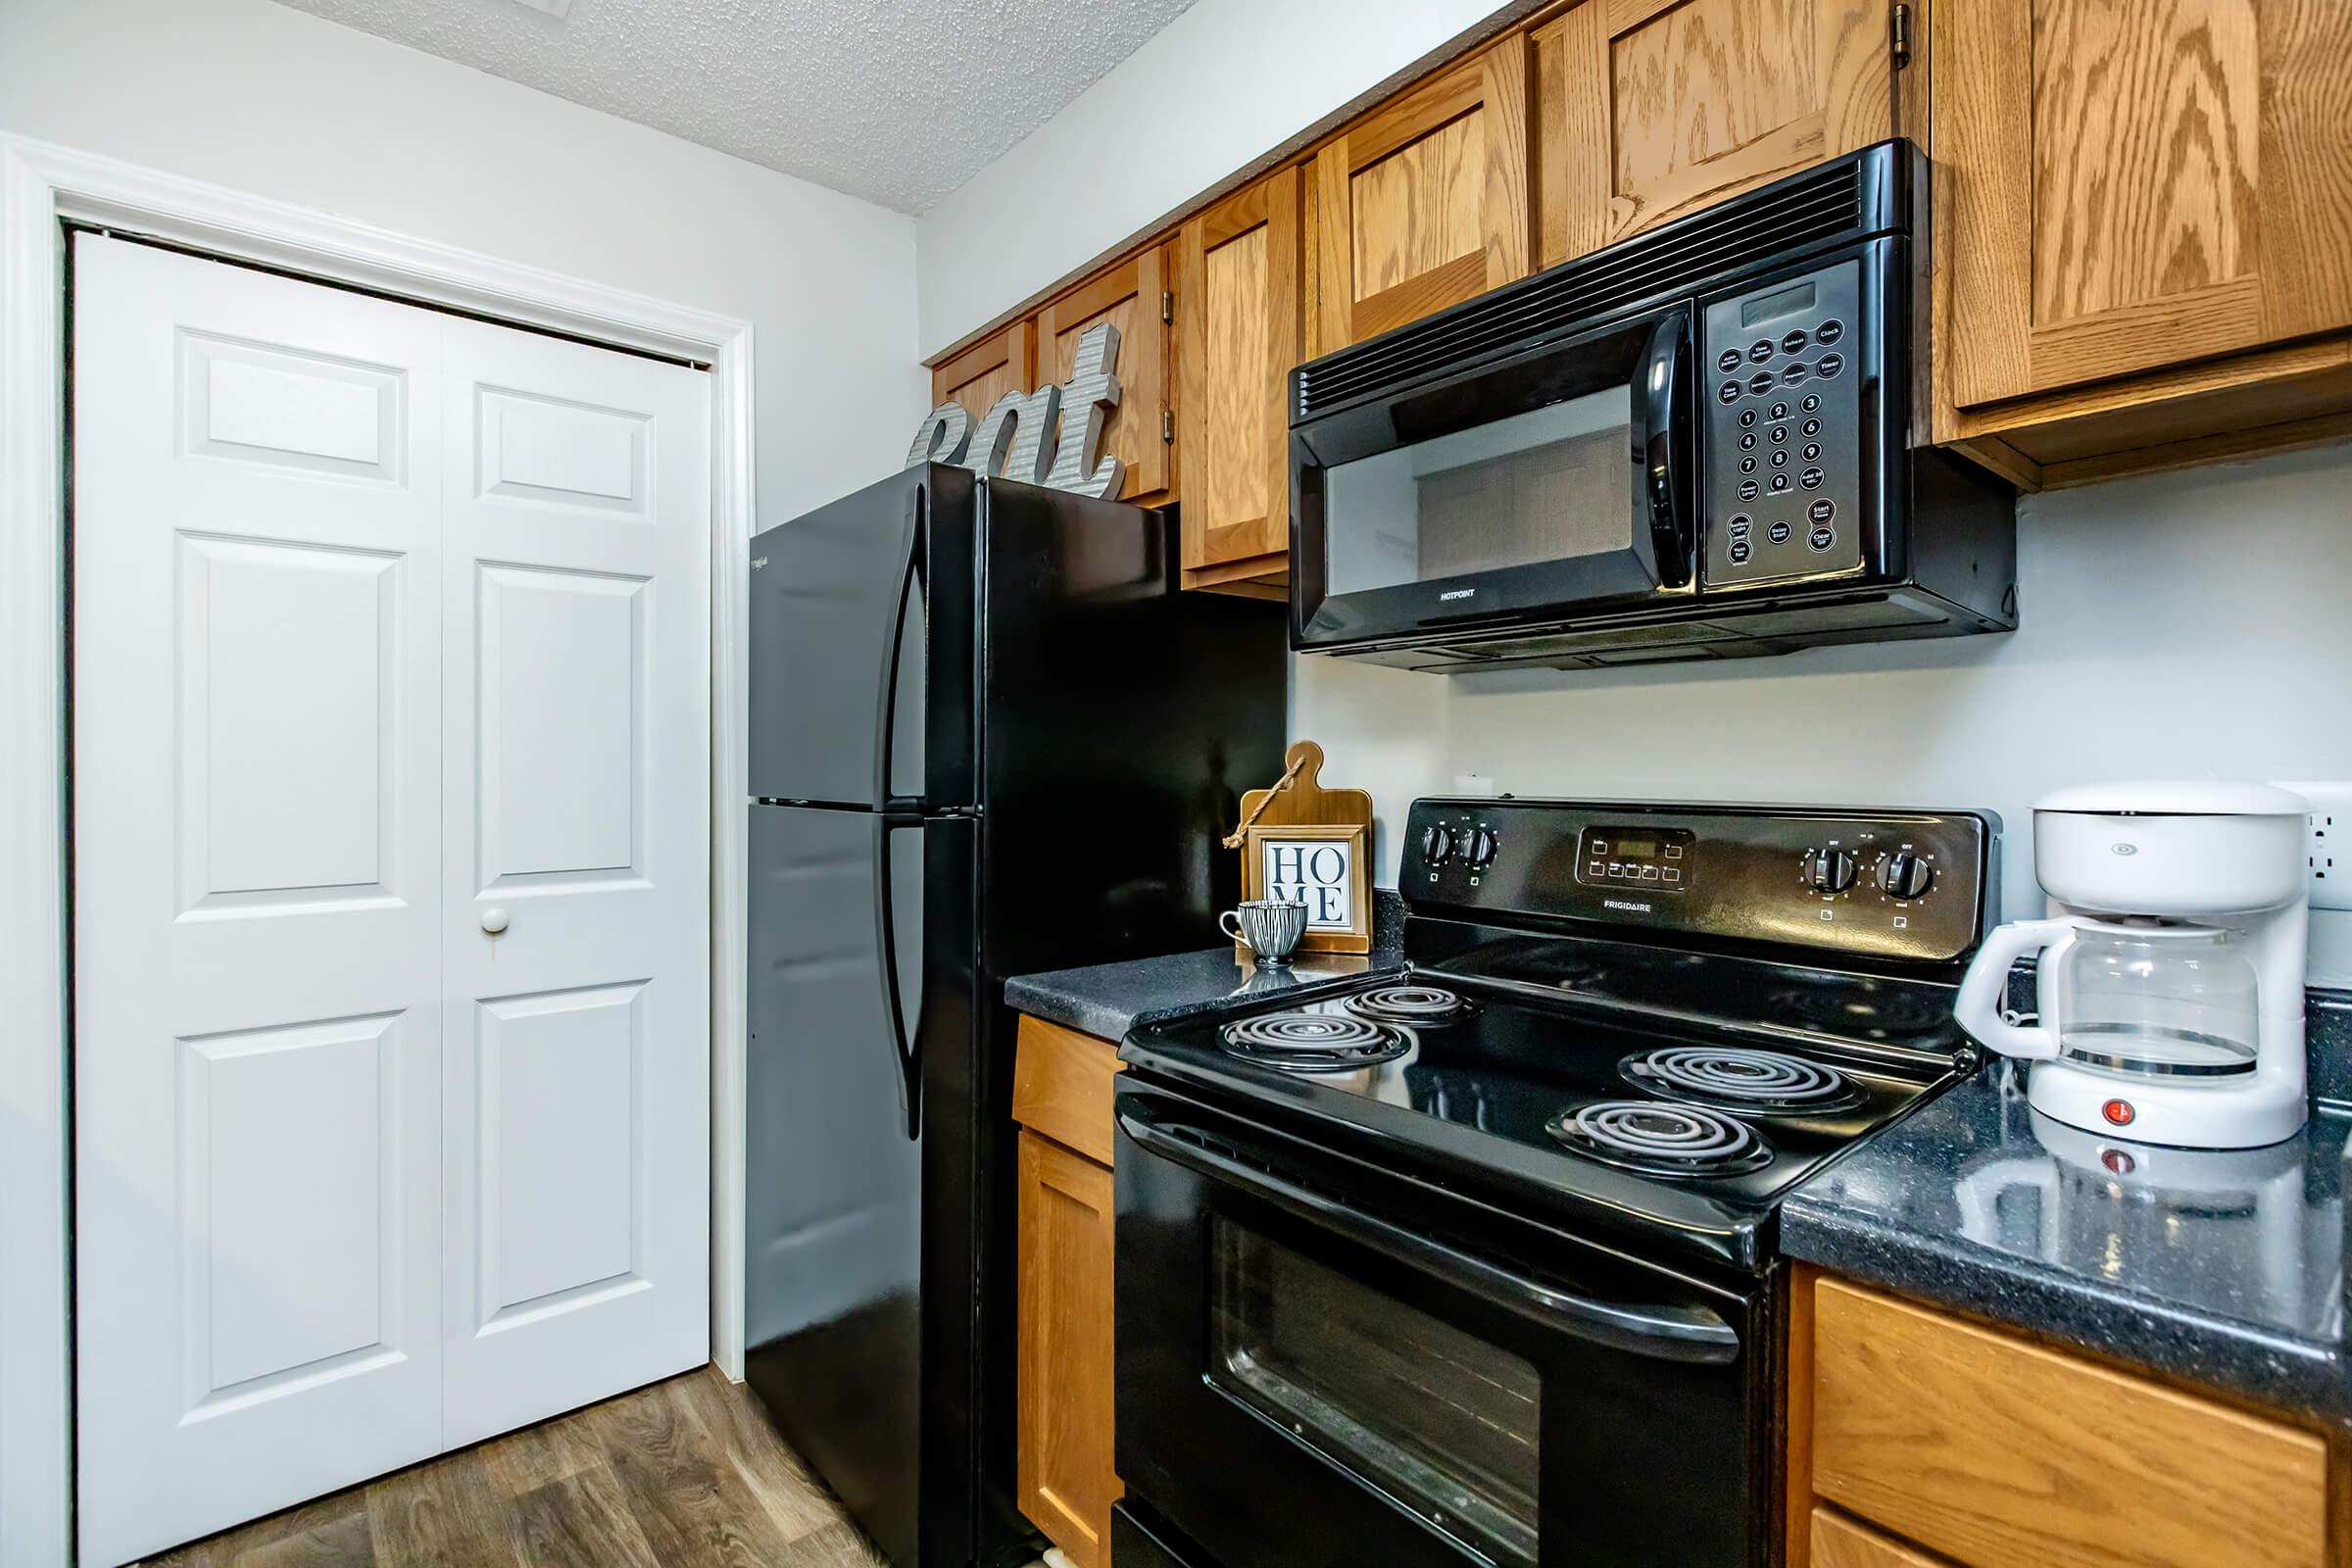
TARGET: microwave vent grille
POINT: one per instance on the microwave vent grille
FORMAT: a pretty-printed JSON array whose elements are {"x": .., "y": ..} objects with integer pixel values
[{"x": 1801, "y": 213}]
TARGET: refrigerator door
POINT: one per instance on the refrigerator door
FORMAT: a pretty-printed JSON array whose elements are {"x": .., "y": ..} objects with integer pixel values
[
  {"x": 861, "y": 616},
  {"x": 845, "y": 942}
]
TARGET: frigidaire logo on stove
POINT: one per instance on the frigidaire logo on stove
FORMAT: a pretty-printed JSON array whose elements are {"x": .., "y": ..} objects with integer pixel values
[
  {"x": 1457, "y": 593},
  {"x": 1627, "y": 905}
]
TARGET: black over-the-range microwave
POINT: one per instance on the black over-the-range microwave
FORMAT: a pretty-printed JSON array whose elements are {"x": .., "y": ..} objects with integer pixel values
[{"x": 1694, "y": 443}]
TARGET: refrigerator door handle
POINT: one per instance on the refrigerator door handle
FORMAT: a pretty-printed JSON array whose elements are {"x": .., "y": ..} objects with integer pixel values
[
  {"x": 909, "y": 579},
  {"x": 910, "y": 1065}
]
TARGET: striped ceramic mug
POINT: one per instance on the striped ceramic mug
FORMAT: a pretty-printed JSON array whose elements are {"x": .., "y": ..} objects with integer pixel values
[{"x": 1268, "y": 927}]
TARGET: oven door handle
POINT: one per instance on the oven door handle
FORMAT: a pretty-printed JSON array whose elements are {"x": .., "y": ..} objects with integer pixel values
[{"x": 1664, "y": 1333}]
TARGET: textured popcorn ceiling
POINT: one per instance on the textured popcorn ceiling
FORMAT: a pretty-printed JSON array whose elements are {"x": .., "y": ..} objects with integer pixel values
[{"x": 898, "y": 101}]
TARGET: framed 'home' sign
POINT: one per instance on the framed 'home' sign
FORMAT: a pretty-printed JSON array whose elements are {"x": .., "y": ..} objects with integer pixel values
[{"x": 1320, "y": 864}]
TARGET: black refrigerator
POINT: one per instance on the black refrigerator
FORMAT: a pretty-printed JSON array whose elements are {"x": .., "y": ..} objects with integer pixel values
[{"x": 988, "y": 737}]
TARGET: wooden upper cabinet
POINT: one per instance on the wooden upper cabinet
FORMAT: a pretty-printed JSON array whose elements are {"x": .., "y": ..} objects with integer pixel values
[
  {"x": 1647, "y": 110},
  {"x": 2123, "y": 187},
  {"x": 1131, "y": 296},
  {"x": 1241, "y": 326},
  {"x": 1423, "y": 203},
  {"x": 1000, "y": 362}
]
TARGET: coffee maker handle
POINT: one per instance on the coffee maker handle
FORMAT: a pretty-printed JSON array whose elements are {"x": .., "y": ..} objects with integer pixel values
[{"x": 1977, "y": 1009}]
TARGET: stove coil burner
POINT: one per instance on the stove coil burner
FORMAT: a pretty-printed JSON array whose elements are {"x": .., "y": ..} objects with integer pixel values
[
  {"x": 1425, "y": 1005},
  {"x": 1660, "y": 1140},
  {"x": 1875, "y": 1011},
  {"x": 1313, "y": 1042},
  {"x": 1747, "y": 1082}
]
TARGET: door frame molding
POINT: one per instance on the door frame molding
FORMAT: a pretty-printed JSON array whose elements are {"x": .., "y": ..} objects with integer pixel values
[{"x": 43, "y": 186}]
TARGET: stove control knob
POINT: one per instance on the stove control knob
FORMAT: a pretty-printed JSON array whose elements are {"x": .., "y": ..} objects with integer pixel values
[
  {"x": 1482, "y": 850},
  {"x": 1904, "y": 875},
  {"x": 1437, "y": 844},
  {"x": 1830, "y": 870}
]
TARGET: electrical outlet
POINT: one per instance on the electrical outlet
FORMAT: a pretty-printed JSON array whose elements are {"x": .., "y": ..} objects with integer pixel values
[{"x": 2328, "y": 841}]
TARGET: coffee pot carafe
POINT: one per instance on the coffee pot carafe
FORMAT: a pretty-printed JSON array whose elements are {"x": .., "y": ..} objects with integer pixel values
[{"x": 2169, "y": 990}]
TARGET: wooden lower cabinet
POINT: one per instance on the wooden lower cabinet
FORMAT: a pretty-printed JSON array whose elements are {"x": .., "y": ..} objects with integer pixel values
[
  {"x": 1064, "y": 1459},
  {"x": 1919, "y": 1439},
  {"x": 1062, "y": 1451},
  {"x": 1842, "y": 1543}
]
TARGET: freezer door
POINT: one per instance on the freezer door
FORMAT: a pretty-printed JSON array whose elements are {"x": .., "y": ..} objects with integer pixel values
[
  {"x": 860, "y": 648},
  {"x": 1123, "y": 717},
  {"x": 834, "y": 1175}
]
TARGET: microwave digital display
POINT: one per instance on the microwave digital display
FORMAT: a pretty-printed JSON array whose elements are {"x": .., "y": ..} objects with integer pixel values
[
  {"x": 1780, "y": 303},
  {"x": 1648, "y": 859}
]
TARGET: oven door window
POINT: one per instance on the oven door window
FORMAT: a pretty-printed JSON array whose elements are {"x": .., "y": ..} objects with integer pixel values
[
  {"x": 1436, "y": 1418},
  {"x": 1553, "y": 484}
]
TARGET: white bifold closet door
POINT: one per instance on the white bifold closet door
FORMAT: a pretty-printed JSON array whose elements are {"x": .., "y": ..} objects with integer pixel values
[{"x": 391, "y": 885}]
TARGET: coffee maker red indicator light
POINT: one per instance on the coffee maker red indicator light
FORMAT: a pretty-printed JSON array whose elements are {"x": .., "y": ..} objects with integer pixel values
[{"x": 2119, "y": 1112}]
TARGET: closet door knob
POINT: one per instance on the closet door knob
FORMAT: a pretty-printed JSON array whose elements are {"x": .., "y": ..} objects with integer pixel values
[{"x": 494, "y": 920}]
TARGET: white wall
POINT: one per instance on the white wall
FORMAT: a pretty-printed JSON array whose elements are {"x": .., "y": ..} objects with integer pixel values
[
  {"x": 2186, "y": 625},
  {"x": 1222, "y": 85},
  {"x": 264, "y": 99}
]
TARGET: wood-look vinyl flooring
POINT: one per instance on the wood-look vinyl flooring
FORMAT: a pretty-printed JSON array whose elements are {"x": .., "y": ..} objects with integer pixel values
[{"x": 681, "y": 1474}]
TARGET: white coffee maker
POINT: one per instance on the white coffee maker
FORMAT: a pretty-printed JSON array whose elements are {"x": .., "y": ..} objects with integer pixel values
[{"x": 2169, "y": 987}]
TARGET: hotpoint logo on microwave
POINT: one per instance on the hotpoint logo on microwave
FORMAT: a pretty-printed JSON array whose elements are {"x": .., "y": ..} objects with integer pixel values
[{"x": 1457, "y": 593}]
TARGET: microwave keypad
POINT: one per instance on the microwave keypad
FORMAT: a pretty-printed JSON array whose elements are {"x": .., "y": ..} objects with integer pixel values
[{"x": 1781, "y": 480}]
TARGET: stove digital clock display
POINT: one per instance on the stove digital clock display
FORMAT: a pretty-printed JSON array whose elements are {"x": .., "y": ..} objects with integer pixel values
[{"x": 1648, "y": 858}]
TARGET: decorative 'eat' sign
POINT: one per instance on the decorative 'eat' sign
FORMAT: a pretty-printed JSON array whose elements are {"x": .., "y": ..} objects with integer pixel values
[{"x": 1052, "y": 436}]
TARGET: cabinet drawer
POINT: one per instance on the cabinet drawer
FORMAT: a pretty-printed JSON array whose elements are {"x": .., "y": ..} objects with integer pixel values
[
  {"x": 1842, "y": 1543},
  {"x": 1061, "y": 1086},
  {"x": 2003, "y": 1454}
]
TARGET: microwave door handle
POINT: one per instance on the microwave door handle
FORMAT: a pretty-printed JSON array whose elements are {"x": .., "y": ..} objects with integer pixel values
[
  {"x": 1662, "y": 459},
  {"x": 1691, "y": 1334}
]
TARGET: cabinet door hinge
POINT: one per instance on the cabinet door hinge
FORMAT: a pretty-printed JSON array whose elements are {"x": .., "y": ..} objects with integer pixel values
[
  {"x": 1167, "y": 426},
  {"x": 1898, "y": 35},
  {"x": 1167, "y": 306}
]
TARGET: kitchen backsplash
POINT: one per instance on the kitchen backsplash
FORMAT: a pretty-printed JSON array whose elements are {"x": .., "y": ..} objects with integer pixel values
[{"x": 2196, "y": 625}]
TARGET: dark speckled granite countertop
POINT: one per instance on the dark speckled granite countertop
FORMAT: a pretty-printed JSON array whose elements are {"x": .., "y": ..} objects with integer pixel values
[
  {"x": 2223, "y": 1268},
  {"x": 1109, "y": 999}
]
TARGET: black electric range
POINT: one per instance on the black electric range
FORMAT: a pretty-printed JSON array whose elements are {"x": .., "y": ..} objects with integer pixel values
[{"x": 1477, "y": 1263}]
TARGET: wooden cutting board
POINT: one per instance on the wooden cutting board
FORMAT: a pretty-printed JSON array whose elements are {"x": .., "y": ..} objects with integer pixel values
[
  {"x": 1298, "y": 800},
  {"x": 1305, "y": 799}
]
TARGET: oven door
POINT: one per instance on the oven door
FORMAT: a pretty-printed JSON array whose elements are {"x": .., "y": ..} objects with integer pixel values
[
  {"x": 1324, "y": 1362},
  {"x": 1552, "y": 485}
]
